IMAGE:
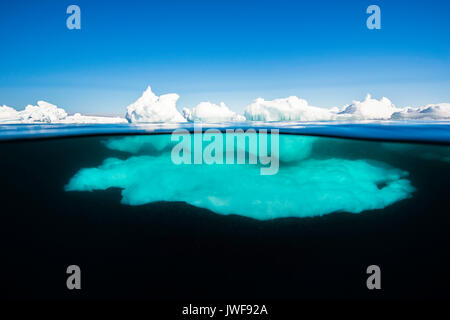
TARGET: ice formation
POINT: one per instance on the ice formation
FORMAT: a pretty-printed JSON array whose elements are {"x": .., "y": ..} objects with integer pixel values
[
  {"x": 305, "y": 187},
  {"x": 291, "y": 148},
  {"x": 8, "y": 114},
  {"x": 147, "y": 144},
  {"x": 287, "y": 109},
  {"x": 151, "y": 108},
  {"x": 429, "y": 112},
  {"x": 45, "y": 112},
  {"x": 369, "y": 109},
  {"x": 42, "y": 112},
  {"x": 79, "y": 118},
  {"x": 296, "y": 109},
  {"x": 210, "y": 112}
]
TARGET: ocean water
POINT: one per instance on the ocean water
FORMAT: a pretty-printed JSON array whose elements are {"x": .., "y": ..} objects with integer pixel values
[{"x": 111, "y": 200}]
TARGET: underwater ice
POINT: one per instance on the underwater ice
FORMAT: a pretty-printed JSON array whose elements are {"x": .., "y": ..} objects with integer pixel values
[
  {"x": 303, "y": 186},
  {"x": 291, "y": 148}
]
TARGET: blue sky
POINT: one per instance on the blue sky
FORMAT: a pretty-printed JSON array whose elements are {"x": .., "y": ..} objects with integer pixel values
[{"x": 232, "y": 51}]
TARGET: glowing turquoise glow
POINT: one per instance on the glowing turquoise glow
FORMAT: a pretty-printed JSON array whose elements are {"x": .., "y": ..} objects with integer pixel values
[
  {"x": 302, "y": 188},
  {"x": 291, "y": 147}
]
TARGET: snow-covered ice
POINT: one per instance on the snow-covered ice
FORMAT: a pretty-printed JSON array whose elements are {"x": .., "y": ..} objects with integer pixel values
[
  {"x": 296, "y": 109},
  {"x": 45, "y": 112},
  {"x": 369, "y": 109},
  {"x": 151, "y": 108},
  {"x": 439, "y": 111},
  {"x": 8, "y": 114},
  {"x": 210, "y": 112},
  {"x": 287, "y": 109},
  {"x": 79, "y": 118}
]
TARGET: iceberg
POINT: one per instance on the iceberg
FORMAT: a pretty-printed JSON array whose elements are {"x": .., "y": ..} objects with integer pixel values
[
  {"x": 151, "y": 108},
  {"x": 296, "y": 109},
  {"x": 369, "y": 109},
  {"x": 305, "y": 187},
  {"x": 147, "y": 144},
  {"x": 8, "y": 114},
  {"x": 439, "y": 111},
  {"x": 79, "y": 118},
  {"x": 45, "y": 112},
  {"x": 286, "y": 109},
  {"x": 292, "y": 148},
  {"x": 210, "y": 112}
]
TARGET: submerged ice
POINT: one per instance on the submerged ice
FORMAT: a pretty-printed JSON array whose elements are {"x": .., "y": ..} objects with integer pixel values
[
  {"x": 303, "y": 187},
  {"x": 291, "y": 148}
]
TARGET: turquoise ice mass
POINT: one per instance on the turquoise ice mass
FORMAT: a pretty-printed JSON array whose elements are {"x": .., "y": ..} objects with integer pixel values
[{"x": 305, "y": 186}]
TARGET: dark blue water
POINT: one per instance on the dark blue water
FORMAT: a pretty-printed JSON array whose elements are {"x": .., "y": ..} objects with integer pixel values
[
  {"x": 191, "y": 247},
  {"x": 420, "y": 131}
]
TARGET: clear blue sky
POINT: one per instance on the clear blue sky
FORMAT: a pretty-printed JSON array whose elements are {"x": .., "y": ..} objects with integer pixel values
[{"x": 232, "y": 51}]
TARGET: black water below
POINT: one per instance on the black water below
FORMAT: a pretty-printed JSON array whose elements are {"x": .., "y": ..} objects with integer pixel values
[{"x": 173, "y": 250}]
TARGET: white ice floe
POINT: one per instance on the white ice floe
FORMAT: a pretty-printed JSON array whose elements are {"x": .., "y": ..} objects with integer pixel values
[
  {"x": 79, "y": 118},
  {"x": 8, "y": 114},
  {"x": 287, "y": 109},
  {"x": 45, "y": 112},
  {"x": 296, "y": 109},
  {"x": 151, "y": 108},
  {"x": 369, "y": 109},
  {"x": 429, "y": 112},
  {"x": 42, "y": 112},
  {"x": 210, "y": 112}
]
